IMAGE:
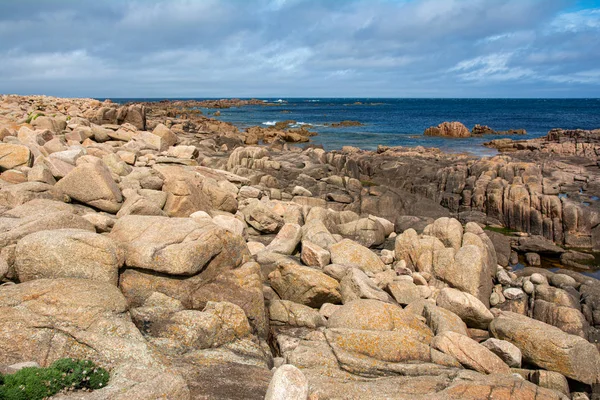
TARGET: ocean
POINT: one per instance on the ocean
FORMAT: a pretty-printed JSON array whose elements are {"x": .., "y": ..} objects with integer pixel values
[{"x": 401, "y": 122}]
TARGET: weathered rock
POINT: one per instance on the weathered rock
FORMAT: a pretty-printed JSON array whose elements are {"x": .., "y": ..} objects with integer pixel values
[
  {"x": 288, "y": 383},
  {"x": 314, "y": 255},
  {"x": 91, "y": 183},
  {"x": 448, "y": 129},
  {"x": 366, "y": 231},
  {"x": 375, "y": 315},
  {"x": 567, "y": 319},
  {"x": 470, "y": 353},
  {"x": 441, "y": 320},
  {"x": 294, "y": 314},
  {"x": 355, "y": 255},
  {"x": 508, "y": 352},
  {"x": 178, "y": 246},
  {"x": 16, "y": 229},
  {"x": 551, "y": 380},
  {"x": 548, "y": 347},
  {"x": 472, "y": 311},
  {"x": 502, "y": 246},
  {"x": 439, "y": 385},
  {"x": 167, "y": 136},
  {"x": 239, "y": 285},
  {"x": 404, "y": 292},
  {"x": 262, "y": 218},
  {"x": 467, "y": 270},
  {"x": 48, "y": 319},
  {"x": 533, "y": 259},
  {"x": 67, "y": 253},
  {"x": 217, "y": 324},
  {"x": 562, "y": 280},
  {"x": 14, "y": 155},
  {"x": 419, "y": 253},
  {"x": 304, "y": 285},
  {"x": 184, "y": 195},
  {"x": 232, "y": 224},
  {"x": 538, "y": 244},
  {"x": 360, "y": 350},
  {"x": 448, "y": 230},
  {"x": 357, "y": 285},
  {"x": 286, "y": 240},
  {"x": 316, "y": 232}
]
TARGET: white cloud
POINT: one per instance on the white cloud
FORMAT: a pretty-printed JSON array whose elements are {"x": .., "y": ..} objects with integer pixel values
[
  {"x": 297, "y": 47},
  {"x": 491, "y": 67},
  {"x": 577, "y": 21}
]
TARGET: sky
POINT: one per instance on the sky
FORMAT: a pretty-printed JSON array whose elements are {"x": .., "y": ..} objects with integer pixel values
[{"x": 300, "y": 48}]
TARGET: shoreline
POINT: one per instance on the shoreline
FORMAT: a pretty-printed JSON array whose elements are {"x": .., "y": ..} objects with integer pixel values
[{"x": 163, "y": 238}]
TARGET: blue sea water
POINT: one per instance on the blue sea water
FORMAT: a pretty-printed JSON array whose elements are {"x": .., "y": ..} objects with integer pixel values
[{"x": 401, "y": 122}]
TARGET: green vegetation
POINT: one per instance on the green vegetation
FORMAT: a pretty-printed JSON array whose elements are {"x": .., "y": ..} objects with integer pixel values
[
  {"x": 368, "y": 183},
  {"x": 39, "y": 383},
  {"x": 503, "y": 230},
  {"x": 33, "y": 116}
]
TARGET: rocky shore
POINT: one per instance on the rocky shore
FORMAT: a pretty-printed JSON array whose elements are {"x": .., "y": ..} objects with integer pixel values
[{"x": 193, "y": 260}]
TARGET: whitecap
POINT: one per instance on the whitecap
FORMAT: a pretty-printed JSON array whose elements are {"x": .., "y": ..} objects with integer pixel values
[{"x": 269, "y": 123}]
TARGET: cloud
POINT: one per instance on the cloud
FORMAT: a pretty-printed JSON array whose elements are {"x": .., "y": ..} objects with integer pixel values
[{"x": 217, "y": 48}]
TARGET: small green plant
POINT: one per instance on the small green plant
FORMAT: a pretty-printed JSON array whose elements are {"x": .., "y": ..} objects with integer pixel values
[
  {"x": 33, "y": 117},
  {"x": 368, "y": 183},
  {"x": 39, "y": 383}
]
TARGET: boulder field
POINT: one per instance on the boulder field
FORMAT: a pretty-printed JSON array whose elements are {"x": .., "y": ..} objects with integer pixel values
[{"x": 159, "y": 244}]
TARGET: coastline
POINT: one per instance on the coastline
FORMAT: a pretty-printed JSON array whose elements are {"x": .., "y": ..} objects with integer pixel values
[{"x": 180, "y": 245}]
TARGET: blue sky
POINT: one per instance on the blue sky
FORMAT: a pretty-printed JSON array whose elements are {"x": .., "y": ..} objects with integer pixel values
[{"x": 301, "y": 48}]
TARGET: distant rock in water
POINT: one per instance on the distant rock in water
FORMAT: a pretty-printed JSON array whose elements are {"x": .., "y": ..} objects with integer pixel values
[
  {"x": 486, "y": 130},
  {"x": 448, "y": 129},
  {"x": 345, "y": 123},
  {"x": 459, "y": 130}
]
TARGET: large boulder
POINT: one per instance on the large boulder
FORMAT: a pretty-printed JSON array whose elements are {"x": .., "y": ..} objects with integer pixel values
[
  {"x": 448, "y": 230},
  {"x": 470, "y": 353},
  {"x": 304, "y": 285},
  {"x": 262, "y": 218},
  {"x": 167, "y": 136},
  {"x": 284, "y": 312},
  {"x": 13, "y": 229},
  {"x": 448, "y": 129},
  {"x": 548, "y": 347},
  {"x": 316, "y": 232},
  {"x": 286, "y": 240},
  {"x": 355, "y": 255},
  {"x": 68, "y": 253},
  {"x": 235, "y": 283},
  {"x": 91, "y": 183},
  {"x": 420, "y": 253},
  {"x": 134, "y": 114},
  {"x": 375, "y": 315},
  {"x": 467, "y": 270},
  {"x": 48, "y": 319},
  {"x": 14, "y": 155},
  {"x": 185, "y": 195},
  {"x": 360, "y": 351},
  {"x": 441, "y": 320},
  {"x": 288, "y": 383},
  {"x": 357, "y": 285},
  {"x": 472, "y": 311},
  {"x": 366, "y": 231},
  {"x": 508, "y": 352},
  {"x": 314, "y": 255},
  {"x": 217, "y": 324},
  {"x": 178, "y": 246}
]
